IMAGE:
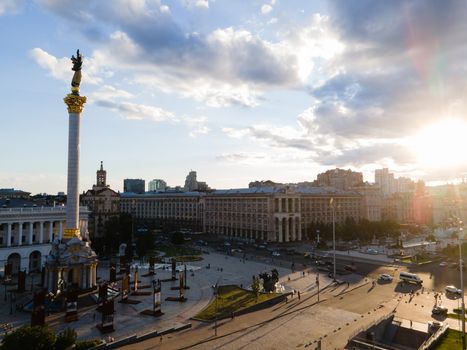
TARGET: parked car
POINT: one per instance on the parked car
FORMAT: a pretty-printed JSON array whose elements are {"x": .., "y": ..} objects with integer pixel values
[
  {"x": 440, "y": 310},
  {"x": 453, "y": 290},
  {"x": 385, "y": 277},
  {"x": 372, "y": 251},
  {"x": 443, "y": 264}
]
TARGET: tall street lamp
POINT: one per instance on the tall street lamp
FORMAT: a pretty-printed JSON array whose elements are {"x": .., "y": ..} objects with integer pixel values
[
  {"x": 331, "y": 202},
  {"x": 462, "y": 286}
]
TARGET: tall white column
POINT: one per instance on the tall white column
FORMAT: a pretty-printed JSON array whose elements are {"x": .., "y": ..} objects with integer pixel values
[
  {"x": 294, "y": 233},
  {"x": 299, "y": 229},
  {"x": 41, "y": 232},
  {"x": 287, "y": 233},
  {"x": 8, "y": 237},
  {"x": 31, "y": 225},
  {"x": 72, "y": 210},
  {"x": 60, "y": 229},
  {"x": 51, "y": 231},
  {"x": 20, "y": 233},
  {"x": 280, "y": 230}
]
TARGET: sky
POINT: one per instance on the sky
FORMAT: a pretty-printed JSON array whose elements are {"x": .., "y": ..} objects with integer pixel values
[{"x": 235, "y": 90}]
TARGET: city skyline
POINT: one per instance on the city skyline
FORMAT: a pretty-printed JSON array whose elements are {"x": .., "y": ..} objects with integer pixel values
[{"x": 240, "y": 92}]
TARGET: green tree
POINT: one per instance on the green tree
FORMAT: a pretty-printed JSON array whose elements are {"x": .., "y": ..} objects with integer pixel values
[
  {"x": 30, "y": 338},
  {"x": 177, "y": 238},
  {"x": 65, "y": 339},
  {"x": 255, "y": 286},
  {"x": 118, "y": 230}
]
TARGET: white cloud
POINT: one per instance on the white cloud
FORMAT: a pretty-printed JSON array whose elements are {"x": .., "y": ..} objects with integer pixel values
[
  {"x": 10, "y": 6},
  {"x": 109, "y": 92},
  {"x": 266, "y": 8},
  {"x": 134, "y": 111},
  {"x": 204, "y": 4},
  {"x": 197, "y": 125}
]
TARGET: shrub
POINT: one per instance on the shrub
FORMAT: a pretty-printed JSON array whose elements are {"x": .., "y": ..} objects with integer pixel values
[
  {"x": 87, "y": 344},
  {"x": 65, "y": 339},
  {"x": 30, "y": 338}
]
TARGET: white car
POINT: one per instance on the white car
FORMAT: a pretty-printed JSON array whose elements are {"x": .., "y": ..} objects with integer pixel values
[
  {"x": 443, "y": 264},
  {"x": 276, "y": 254},
  {"x": 453, "y": 290},
  {"x": 385, "y": 277}
]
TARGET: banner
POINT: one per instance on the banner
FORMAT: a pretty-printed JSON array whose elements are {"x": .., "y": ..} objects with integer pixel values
[
  {"x": 21, "y": 281},
  {"x": 174, "y": 269},
  {"x": 125, "y": 286},
  {"x": 113, "y": 273},
  {"x": 38, "y": 309},
  {"x": 157, "y": 296}
]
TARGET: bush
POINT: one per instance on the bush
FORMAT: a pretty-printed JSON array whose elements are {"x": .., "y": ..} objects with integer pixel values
[
  {"x": 30, "y": 338},
  {"x": 87, "y": 344},
  {"x": 65, "y": 339}
]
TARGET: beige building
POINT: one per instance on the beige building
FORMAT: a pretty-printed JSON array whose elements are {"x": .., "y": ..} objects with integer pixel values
[
  {"x": 372, "y": 201},
  {"x": 276, "y": 214},
  {"x": 103, "y": 202}
]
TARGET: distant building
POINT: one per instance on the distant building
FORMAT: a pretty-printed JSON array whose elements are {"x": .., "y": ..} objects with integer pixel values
[
  {"x": 103, "y": 202},
  {"x": 134, "y": 185},
  {"x": 385, "y": 180},
  {"x": 265, "y": 183},
  {"x": 11, "y": 193},
  {"x": 157, "y": 185},
  {"x": 371, "y": 201},
  {"x": 192, "y": 183},
  {"x": 340, "y": 179}
]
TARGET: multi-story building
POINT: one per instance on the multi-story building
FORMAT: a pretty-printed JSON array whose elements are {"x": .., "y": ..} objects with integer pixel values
[
  {"x": 340, "y": 179},
  {"x": 371, "y": 201},
  {"x": 185, "y": 209},
  {"x": 134, "y": 185},
  {"x": 277, "y": 214},
  {"x": 11, "y": 193},
  {"x": 385, "y": 180},
  {"x": 26, "y": 234},
  {"x": 157, "y": 185},
  {"x": 103, "y": 202},
  {"x": 191, "y": 183}
]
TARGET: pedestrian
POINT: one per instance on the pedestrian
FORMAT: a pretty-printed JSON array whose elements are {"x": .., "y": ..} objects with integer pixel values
[
  {"x": 298, "y": 294},
  {"x": 286, "y": 299},
  {"x": 410, "y": 323},
  {"x": 232, "y": 315},
  {"x": 348, "y": 284}
]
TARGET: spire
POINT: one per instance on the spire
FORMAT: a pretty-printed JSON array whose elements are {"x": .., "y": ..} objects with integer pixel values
[{"x": 102, "y": 165}]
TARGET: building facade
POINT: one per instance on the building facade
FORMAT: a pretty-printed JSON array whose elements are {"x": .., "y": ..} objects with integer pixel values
[
  {"x": 26, "y": 234},
  {"x": 340, "y": 179},
  {"x": 134, "y": 185},
  {"x": 157, "y": 185},
  {"x": 103, "y": 202}
]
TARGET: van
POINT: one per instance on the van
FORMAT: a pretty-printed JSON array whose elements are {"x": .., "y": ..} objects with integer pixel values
[{"x": 410, "y": 278}]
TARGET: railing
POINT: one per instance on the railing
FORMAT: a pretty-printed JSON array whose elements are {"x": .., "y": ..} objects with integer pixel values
[{"x": 58, "y": 209}]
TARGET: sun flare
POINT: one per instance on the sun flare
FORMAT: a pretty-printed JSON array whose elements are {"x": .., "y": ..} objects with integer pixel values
[{"x": 442, "y": 144}]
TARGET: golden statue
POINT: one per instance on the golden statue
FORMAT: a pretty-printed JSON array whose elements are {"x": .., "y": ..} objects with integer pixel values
[{"x": 77, "y": 63}]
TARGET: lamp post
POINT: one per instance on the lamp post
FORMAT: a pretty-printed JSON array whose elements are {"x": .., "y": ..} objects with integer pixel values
[
  {"x": 331, "y": 202},
  {"x": 462, "y": 286}
]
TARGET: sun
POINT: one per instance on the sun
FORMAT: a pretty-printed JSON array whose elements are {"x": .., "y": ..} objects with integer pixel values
[{"x": 442, "y": 144}]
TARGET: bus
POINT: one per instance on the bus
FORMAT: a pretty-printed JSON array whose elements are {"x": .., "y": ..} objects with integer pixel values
[{"x": 410, "y": 278}]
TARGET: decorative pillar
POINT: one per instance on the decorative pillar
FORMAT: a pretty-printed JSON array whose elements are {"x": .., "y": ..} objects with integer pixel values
[
  {"x": 41, "y": 232},
  {"x": 299, "y": 229},
  {"x": 51, "y": 231},
  {"x": 287, "y": 233},
  {"x": 31, "y": 225},
  {"x": 75, "y": 104},
  {"x": 8, "y": 237},
  {"x": 294, "y": 232},
  {"x": 280, "y": 229},
  {"x": 20, "y": 233},
  {"x": 60, "y": 230}
]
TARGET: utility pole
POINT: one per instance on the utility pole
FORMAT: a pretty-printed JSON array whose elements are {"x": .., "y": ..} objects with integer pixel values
[
  {"x": 331, "y": 202},
  {"x": 317, "y": 283}
]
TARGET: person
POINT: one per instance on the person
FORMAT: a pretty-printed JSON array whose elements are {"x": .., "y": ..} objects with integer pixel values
[{"x": 298, "y": 294}]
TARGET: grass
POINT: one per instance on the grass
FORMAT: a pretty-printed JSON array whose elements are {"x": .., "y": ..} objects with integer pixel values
[
  {"x": 455, "y": 316},
  {"x": 231, "y": 299},
  {"x": 450, "y": 341},
  {"x": 173, "y": 250}
]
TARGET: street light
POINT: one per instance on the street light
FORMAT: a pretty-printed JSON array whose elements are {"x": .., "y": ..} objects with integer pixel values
[
  {"x": 462, "y": 286},
  {"x": 331, "y": 202}
]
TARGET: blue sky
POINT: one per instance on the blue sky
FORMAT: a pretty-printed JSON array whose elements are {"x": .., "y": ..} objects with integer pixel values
[{"x": 236, "y": 90}]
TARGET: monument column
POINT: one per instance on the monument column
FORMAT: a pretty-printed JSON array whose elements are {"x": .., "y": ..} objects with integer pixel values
[
  {"x": 20, "y": 233},
  {"x": 31, "y": 226},
  {"x": 41, "y": 232}
]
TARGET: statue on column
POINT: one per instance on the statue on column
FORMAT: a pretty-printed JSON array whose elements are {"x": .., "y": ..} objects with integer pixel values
[{"x": 76, "y": 81}]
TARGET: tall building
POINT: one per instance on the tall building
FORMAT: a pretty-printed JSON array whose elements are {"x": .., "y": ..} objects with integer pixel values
[
  {"x": 134, "y": 185},
  {"x": 385, "y": 180},
  {"x": 340, "y": 179},
  {"x": 157, "y": 185},
  {"x": 191, "y": 184},
  {"x": 103, "y": 202}
]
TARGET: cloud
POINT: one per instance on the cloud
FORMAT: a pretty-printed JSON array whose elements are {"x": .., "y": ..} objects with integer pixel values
[
  {"x": 109, "y": 92},
  {"x": 136, "y": 111},
  {"x": 10, "y": 6},
  {"x": 203, "y": 4},
  {"x": 197, "y": 125},
  {"x": 266, "y": 8},
  {"x": 241, "y": 157}
]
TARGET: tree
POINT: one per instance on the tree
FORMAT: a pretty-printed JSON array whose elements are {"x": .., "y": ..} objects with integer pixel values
[
  {"x": 177, "y": 238},
  {"x": 31, "y": 338},
  {"x": 431, "y": 237},
  {"x": 65, "y": 339},
  {"x": 255, "y": 286}
]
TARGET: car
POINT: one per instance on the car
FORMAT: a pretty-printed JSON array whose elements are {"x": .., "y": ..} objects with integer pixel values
[
  {"x": 351, "y": 268},
  {"x": 453, "y": 290},
  {"x": 276, "y": 253},
  {"x": 443, "y": 264},
  {"x": 439, "y": 310},
  {"x": 372, "y": 251},
  {"x": 385, "y": 277}
]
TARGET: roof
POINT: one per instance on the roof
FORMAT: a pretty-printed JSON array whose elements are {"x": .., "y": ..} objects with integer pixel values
[
  {"x": 303, "y": 190},
  {"x": 161, "y": 194}
]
